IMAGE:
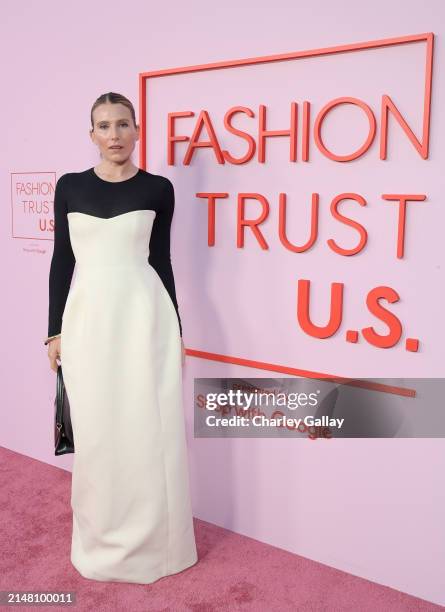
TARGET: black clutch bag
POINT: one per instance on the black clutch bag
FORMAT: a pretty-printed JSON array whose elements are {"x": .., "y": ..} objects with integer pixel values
[{"x": 63, "y": 430}]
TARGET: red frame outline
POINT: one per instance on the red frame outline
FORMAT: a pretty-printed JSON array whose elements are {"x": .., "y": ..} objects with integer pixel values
[{"x": 427, "y": 37}]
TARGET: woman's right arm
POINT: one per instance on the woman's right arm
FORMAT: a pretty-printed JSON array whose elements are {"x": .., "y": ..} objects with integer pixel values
[{"x": 62, "y": 262}]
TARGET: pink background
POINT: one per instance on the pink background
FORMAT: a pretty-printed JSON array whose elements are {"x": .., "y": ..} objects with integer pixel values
[{"x": 370, "y": 507}]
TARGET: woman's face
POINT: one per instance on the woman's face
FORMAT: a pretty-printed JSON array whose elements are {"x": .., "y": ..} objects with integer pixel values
[{"x": 113, "y": 125}]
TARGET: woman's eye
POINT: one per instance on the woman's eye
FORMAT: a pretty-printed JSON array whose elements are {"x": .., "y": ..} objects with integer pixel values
[{"x": 105, "y": 126}]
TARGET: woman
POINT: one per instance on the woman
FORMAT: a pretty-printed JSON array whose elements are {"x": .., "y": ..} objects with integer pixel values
[{"x": 117, "y": 333}]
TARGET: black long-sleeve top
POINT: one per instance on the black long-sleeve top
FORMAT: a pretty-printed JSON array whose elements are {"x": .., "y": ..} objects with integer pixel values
[{"x": 86, "y": 192}]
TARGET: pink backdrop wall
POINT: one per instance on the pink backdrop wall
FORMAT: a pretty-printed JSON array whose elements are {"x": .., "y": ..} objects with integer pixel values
[{"x": 370, "y": 507}]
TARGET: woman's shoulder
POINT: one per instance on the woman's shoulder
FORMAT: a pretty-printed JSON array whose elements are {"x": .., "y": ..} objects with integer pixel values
[
  {"x": 63, "y": 183},
  {"x": 160, "y": 185},
  {"x": 159, "y": 178},
  {"x": 66, "y": 179}
]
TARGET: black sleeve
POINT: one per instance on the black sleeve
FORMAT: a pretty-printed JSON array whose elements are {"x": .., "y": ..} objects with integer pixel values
[
  {"x": 63, "y": 260},
  {"x": 159, "y": 256}
]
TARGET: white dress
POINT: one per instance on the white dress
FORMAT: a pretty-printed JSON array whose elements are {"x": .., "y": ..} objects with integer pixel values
[{"x": 121, "y": 362}]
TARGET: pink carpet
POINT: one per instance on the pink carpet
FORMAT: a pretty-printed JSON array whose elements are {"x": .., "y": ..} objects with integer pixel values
[{"x": 233, "y": 572}]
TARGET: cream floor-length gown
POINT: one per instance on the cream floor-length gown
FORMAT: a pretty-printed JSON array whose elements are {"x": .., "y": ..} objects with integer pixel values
[{"x": 121, "y": 362}]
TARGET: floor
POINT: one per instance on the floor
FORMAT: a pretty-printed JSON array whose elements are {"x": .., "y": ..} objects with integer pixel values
[{"x": 234, "y": 573}]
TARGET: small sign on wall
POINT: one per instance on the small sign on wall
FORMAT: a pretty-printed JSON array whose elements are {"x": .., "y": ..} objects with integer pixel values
[{"x": 32, "y": 202}]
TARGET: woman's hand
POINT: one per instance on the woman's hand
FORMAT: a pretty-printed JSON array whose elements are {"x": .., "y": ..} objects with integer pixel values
[
  {"x": 183, "y": 351},
  {"x": 54, "y": 353}
]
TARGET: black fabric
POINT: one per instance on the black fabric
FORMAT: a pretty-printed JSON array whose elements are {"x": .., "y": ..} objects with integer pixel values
[{"x": 86, "y": 192}]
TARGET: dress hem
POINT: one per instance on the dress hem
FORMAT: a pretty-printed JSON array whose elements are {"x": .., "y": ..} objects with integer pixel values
[{"x": 158, "y": 576}]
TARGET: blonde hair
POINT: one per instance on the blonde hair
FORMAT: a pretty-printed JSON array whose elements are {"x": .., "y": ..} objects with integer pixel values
[{"x": 113, "y": 98}]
